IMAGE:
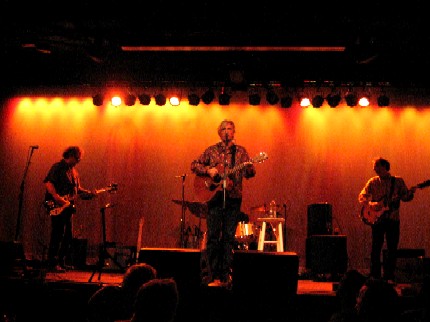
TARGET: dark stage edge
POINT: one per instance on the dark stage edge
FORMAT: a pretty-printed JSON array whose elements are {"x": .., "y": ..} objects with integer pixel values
[{"x": 266, "y": 287}]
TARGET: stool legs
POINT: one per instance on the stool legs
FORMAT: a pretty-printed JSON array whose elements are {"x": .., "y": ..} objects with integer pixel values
[{"x": 262, "y": 238}]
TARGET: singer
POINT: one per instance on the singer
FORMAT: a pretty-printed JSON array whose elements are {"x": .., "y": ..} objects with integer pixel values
[
  {"x": 224, "y": 207},
  {"x": 63, "y": 185}
]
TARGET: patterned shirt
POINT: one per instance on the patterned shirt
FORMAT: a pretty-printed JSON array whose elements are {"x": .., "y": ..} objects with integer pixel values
[{"x": 216, "y": 156}]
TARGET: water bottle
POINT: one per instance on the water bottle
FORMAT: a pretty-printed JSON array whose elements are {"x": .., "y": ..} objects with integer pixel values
[{"x": 272, "y": 209}]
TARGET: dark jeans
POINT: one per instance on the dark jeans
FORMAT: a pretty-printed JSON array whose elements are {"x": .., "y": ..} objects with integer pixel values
[
  {"x": 390, "y": 229},
  {"x": 61, "y": 237},
  {"x": 221, "y": 229}
]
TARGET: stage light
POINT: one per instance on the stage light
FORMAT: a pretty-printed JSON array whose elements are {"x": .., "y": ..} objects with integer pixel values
[
  {"x": 317, "y": 101},
  {"x": 304, "y": 101},
  {"x": 130, "y": 100},
  {"x": 98, "y": 99},
  {"x": 224, "y": 99},
  {"x": 383, "y": 100},
  {"x": 351, "y": 99},
  {"x": 174, "y": 100},
  {"x": 271, "y": 97},
  {"x": 116, "y": 101},
  {"x": 144, "y": 99},
  {"x": 364, "y": 101},
  {"x": 208, "y": 96},
  {"x": 254, "y": 99},
  {"x": 286, "y": 101},
  {"x": 160, "y": 99},
  {"x": 333, "y": 100},
  {"x": 193, "y": 99}
]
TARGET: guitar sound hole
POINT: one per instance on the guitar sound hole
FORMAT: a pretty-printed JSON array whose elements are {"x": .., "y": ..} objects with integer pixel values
[{"x": 217, "y": 178}]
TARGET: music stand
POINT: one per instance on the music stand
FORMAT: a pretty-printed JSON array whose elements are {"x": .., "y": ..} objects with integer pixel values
[{"x": 103, "y": 253}]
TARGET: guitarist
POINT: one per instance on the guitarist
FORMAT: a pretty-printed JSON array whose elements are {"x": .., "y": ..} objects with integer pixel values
[
  {"x": 223, "y": 214},
  {"x": 63, "y": 185},
  {"x": 385, "y": 191}
]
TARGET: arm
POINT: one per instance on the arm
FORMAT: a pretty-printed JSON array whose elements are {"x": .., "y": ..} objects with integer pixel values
[
  {"x": 60, "y": 200},
  {"x": 201, "y": 165},
  {"x": 405, "y": 193}
]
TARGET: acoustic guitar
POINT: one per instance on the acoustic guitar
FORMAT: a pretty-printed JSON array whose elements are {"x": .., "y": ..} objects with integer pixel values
[
  {"x": 205, "y": 187},
  {"x": 373, "y": 212}
]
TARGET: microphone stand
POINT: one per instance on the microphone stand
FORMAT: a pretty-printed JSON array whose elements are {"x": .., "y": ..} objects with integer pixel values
[
  {"x": 184, "y": 207},
  {"x": 224, "y": 181},
  {"x": 103, "y": 250},
  {"x": 21, "y": 197},
  {"x": 285, "y": 226}
]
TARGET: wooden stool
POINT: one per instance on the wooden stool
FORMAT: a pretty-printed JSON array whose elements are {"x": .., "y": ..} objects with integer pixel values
[{"x": 262, "y": 238}]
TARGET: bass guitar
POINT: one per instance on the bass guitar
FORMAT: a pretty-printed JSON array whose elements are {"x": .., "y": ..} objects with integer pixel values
[
  {"x": 374, "y": 211},
  {"x": 54, "y": 209},
  {"x": 206, "y": 187}
]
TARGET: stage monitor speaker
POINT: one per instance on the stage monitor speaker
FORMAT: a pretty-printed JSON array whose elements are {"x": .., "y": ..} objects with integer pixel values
[
  {"x": 181, "y": 264},
  {"x": 12, "y": 258},
  {"x": 320, "y": 219},
  {"x": 327, "y": 254},
  {"x": 265, "y": 281},
  {"x": 410, "y": 265},
  {"x": 79, "y": 253}
]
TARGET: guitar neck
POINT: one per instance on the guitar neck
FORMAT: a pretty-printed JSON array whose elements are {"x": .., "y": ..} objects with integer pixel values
[{"x": 237, "y": 168}]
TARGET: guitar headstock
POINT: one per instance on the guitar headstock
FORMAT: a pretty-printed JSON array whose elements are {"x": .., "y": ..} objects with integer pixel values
[
  {"x": 261, "y": 157},
  {"x": 423, "y": 184}
]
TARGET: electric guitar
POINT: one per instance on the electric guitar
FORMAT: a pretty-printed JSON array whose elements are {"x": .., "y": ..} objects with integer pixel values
[
  {"x": 205, "y": 187},
  {"x": 54, "y": 209},
  {"x": 372, "y": 212}
]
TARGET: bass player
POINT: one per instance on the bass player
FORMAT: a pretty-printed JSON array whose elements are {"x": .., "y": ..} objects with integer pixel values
[
  {"x": 382, "y": 195},
  {"x": 224, "y": 206},
  {"x": 63, "y": 185}
]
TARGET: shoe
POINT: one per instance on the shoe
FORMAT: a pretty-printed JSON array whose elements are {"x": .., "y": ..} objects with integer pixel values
[
  {"x": 68, "y": 267},
  {"x": 215, "y": 283},
  {"x": 391, "y": 282},
  {"x": 207, "y": 280},
  {"x": 57, "y": 269},
  {"x": 227, "y": 282}
]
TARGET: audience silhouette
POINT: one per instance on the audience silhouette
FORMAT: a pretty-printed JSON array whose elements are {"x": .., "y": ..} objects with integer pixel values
[
  {"x": 347, "y": 293},
  {"x": 115, "y": 302},
  {"x": 378, "y": 301},
  {"x": 156, "y": 301}
]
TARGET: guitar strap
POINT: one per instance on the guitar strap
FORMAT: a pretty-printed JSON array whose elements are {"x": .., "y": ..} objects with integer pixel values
[
  {"x": 233, "y": 155},
  {"x": 390, "y": 196}
]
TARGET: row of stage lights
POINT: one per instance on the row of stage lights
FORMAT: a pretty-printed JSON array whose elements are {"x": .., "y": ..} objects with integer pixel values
[{"x": 272, "y": 98}]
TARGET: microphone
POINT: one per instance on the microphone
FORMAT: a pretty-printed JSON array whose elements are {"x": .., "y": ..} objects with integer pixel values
[
  {"x": 181, "y": 176},
  {"x": 109, "y": 205},
  {"x": 34, "y": 147}
]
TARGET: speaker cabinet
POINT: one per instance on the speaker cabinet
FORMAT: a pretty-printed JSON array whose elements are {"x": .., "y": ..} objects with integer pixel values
[
  {"x": 12, "y": 258},
  {"x": 327, "y": 254},
  {"x": 410, "y": 266},
  {"x": 320, "y": 219},
  {"x": 181, "y": 264},
  {"x": 79, "y": 253},
  {"x": 265, "y": 281}
]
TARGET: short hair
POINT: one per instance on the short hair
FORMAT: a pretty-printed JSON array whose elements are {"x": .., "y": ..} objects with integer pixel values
[
  {"x": 378, "y": 300},
  {"x": 224, "y": 123},
  {"x": 72, "y": 151},
  {"x": 138, "y": 274},
  {"x": 156, "y": 300},
  {"x": 383, "y": 162}
]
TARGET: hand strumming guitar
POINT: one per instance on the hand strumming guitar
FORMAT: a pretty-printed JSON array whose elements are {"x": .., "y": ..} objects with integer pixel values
[{"x": 212, "y": 172}]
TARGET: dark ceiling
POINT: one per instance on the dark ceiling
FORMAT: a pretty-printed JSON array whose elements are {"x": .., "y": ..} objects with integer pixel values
[{"x": 81, "y": 42}]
